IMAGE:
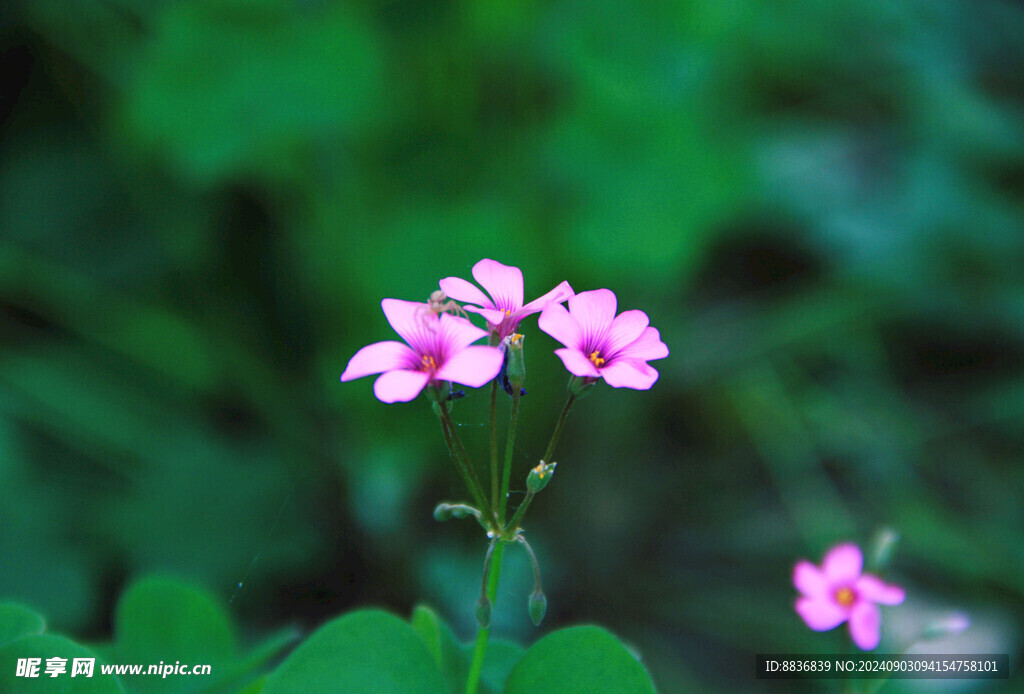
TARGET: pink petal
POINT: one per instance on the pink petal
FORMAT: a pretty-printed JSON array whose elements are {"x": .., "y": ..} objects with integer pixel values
[
  {"x": 461, "y": 290},
  {"x": 873, "y": 589},
  {"x": 629, "y": 373},
  {"x": 576, "y": 363},
  {"x": 503, "y": 282},
  {"x": 809, "y": 580},
  {"x": 865, "y": 625},
  {"x": 455, "y": 334},
  {"x": 594, "y": 310},
  {"x": 556, "y": 295},
  {"x": 412, "y": 320},
  {"x": 647, "y": 346},
  {"x": 843, "y": 564},
  {"x": 820, "y": 614},
  {"x": 472, "y": 366},
  {"x": 400, "y": 386},
  {"x": 491, "y": 315},
  {"x": 377, "y": 358},
  {"x": 561, "y": 325},
  {"x": 626, "y": 328}
]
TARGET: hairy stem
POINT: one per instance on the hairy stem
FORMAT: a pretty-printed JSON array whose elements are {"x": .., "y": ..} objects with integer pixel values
[
  {"x": 510, "y": 443},
  {"x": 480, "y": 648},
  {"x": 558, "y": 428},
  {"x": 458, "y": 454},
  {"x": 494, "y": 444}
]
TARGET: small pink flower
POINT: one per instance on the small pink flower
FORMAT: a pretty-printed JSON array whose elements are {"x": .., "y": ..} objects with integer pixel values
[
  {"x": 504, "y": 308},
  {"x": 599, "y": 344},
  {"x": 838, "y": 592},
  {"x": 438, "y": 350}
]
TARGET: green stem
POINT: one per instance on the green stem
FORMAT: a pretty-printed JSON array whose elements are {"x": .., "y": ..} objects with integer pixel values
[
  {"x": 533, "y": 560},
  {"x": 494, "y": 444},
  {"x": 480, "y": 648},
  {"x": 458, "y": 454},
  {"x": 510, "y": 443},
  {"x": 558, "y": 428},
  {"x": 520, "y": 512}
]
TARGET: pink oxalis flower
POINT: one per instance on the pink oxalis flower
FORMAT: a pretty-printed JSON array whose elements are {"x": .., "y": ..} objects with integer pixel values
[
  {"x": 599, "y": 344},
  {"x": 504, "y": 308},
  {"x": 839, "y": 592},
  {"x": 438, "y": 350}
]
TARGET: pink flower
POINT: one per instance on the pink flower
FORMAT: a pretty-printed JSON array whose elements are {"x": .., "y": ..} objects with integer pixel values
[
  {"x": 504, "y": 308},
  {"x": 438, "y": 350},
  {"x": 838, "y": 592},
  {"x": 599, "y": 344}
]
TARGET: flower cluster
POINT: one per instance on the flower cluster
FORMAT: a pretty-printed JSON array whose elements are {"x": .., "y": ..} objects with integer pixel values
[{"x": 439, "y": 346}]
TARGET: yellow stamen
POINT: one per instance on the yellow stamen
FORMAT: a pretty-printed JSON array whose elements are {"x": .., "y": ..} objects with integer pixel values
[
  {"x": 540, "y": 470},
  {"x": 428, "y": 363},
  {"x": 597, "y": 359},
  {"x": 845, "y": 596}
]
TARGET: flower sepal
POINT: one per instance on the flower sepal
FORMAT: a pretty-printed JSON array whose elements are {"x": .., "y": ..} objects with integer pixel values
[
  {"x": 513, "y": 369},
  {"x": 581, "y": 386},
  {"x": 540, "y": 476},
  {"x": 538, "y": 607}
]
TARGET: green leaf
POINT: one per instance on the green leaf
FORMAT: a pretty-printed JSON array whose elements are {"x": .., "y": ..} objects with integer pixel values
[
  {"x": 44, "y": 646},
  {"x": 579, "y": 659},
  {"x": 500, "y": 658},
  {"x": 365, "y": 651},
  {"x": 428, "y": 627},
  {"x": 162, "y": 619},
  {"x": 17, "y": 621},
  {"x": 453, "y": 658}
]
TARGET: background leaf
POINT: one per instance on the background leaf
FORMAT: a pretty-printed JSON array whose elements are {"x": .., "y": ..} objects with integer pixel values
[
  {"x": 579, "y": 659},
  {"x": 365, "y": 651},
  {"x": 17, "y": 621},
  {"x": 45, "y": 646}
]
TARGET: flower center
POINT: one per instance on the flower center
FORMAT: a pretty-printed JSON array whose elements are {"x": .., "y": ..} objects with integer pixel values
[
  {"x": 428, "y": 363},
  {"x": 596, "y": 358},
  {"x": 845, "y": 596}
]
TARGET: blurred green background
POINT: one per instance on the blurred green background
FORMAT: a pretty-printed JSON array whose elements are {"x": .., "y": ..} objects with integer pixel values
[{"x": 818, "y": 204}]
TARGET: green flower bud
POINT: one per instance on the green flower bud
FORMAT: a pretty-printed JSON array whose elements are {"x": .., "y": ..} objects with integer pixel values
[
  {"x": 883, "y": 547},
  {"x": 540, "y": 476},
  {"x": 950, "y": 625},
  {"x": 538, "y": 607},
  {"x": 442, "y": 512},
  {"x": 515, "y": 362},
  {"x": 483, "y": 612}
]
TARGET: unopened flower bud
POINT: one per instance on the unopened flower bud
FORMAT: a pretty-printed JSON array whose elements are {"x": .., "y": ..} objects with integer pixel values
[
  {"x": 483, "y": 612},
  {"x": 883, "y": 548},
  {"x": 442, "y": 512},
  {"x": 950, "y": 625},
  {"x": 540, "y": 476},
  {"x": 538, "y": 607}
]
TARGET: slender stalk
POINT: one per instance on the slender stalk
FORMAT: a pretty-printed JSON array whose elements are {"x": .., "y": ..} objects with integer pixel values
[
  {"x": 480, "y": 648},
  {"x": 458, "y": 454},
  {"x": 533, "y": 561},
  {"x": 558, "y": 428},
  {"x": 520, "y": 512},
  {"x": 510, "y": 442},
  {"x": 494, "y": 444}
]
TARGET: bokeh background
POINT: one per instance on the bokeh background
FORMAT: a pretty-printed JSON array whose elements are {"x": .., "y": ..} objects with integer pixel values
[{"x": 818, "y": 204}]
